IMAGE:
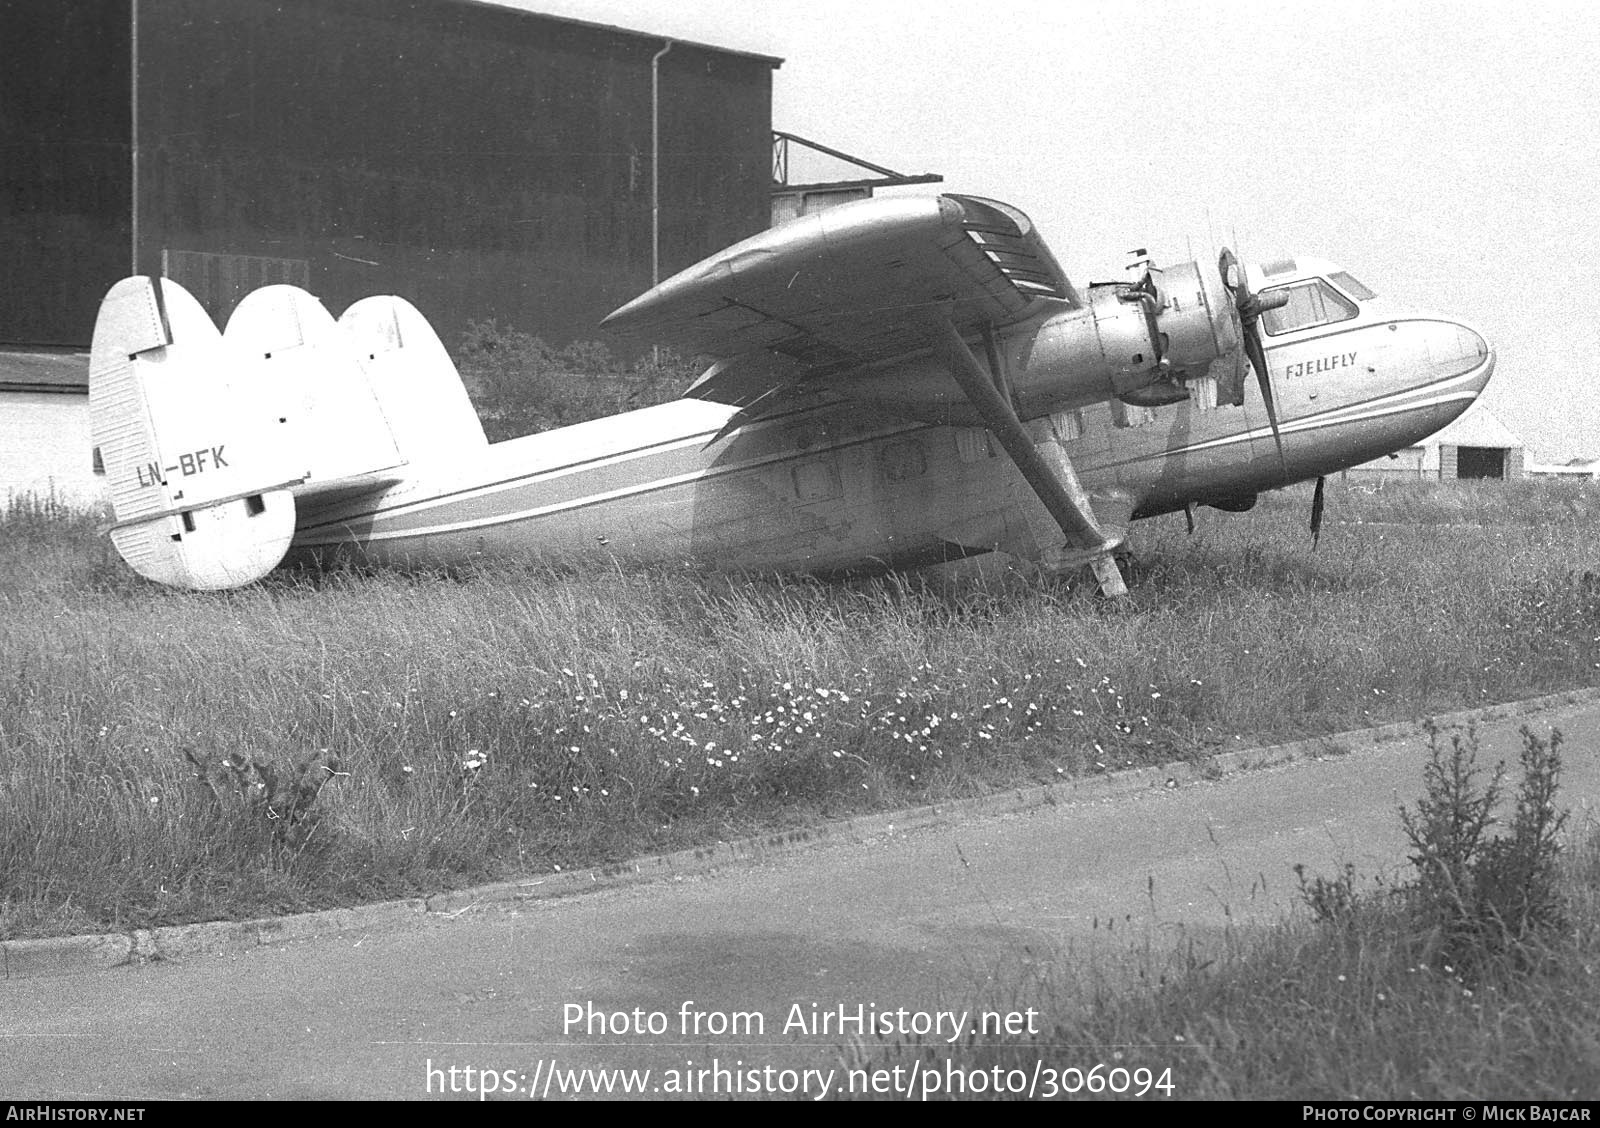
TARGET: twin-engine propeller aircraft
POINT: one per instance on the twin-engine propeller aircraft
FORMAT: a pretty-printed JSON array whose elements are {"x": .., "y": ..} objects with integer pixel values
[{"x": 895, "y": 382}]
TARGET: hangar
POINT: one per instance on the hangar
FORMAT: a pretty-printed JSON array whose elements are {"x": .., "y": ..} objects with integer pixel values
[{"x": 485, "y": 162}]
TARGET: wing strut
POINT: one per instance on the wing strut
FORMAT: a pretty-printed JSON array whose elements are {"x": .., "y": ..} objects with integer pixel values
[{"x": 1044, "y": 466}]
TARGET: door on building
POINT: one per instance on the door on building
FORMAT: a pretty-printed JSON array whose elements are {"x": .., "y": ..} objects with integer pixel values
[{"x": 1480, "y": 462}]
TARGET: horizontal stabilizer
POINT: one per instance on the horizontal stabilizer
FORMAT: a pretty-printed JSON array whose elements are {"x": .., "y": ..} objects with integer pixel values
[{"x": 200, "y": 497}]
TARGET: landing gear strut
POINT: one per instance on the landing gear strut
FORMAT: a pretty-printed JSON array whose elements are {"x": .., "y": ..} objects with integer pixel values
[{"x": 1044, "y": 464}]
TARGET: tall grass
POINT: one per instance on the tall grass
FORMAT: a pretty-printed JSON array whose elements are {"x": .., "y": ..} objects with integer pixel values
[{"x": 511, "y": 719}]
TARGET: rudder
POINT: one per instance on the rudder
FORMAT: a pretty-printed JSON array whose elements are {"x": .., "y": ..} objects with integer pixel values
[
  {"x": 307, "y": 383},
  {"x": 413, "y": 378}
]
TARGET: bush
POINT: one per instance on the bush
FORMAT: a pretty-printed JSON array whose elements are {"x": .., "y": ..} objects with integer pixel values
[
  {"x": 254, "y": 790},
  {"x": 1478, "y": 896},
  {"x": 1332, "y": 900},
  {"x": 521, "y": 384}
]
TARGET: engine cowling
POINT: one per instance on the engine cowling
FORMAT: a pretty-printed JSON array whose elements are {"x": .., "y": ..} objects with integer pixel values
[
  {"x": 1139, "y": 341},
  {"x": 1197, "y": 318}
]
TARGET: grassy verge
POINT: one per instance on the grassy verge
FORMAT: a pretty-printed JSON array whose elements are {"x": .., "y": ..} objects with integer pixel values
[
  {"x": 312, "y": 741},
  {"x": 1476, "y": 978}
]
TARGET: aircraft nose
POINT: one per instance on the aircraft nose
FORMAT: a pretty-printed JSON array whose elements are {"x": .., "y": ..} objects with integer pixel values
[{"x": 1472, "y": 342}]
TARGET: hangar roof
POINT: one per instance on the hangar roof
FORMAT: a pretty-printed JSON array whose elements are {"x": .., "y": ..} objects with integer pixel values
[
  {"x": 1477, "y": 428},
  {"x": 504, "y": 5}
]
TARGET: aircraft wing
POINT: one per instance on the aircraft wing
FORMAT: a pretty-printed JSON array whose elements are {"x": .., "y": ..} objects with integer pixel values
[{"x": 851, "y": 286}]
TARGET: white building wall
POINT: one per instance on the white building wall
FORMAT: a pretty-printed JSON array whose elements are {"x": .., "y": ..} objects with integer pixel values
[
  {"x": 45, "y": 449},
  {"x": 1410, "y": 464}
]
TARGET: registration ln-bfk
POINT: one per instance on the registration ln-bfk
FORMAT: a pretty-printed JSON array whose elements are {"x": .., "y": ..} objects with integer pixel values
[{"x": 892, "y": 383}]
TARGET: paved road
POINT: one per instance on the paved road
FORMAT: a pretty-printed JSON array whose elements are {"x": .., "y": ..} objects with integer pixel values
[{"x": 949, "y": 918}]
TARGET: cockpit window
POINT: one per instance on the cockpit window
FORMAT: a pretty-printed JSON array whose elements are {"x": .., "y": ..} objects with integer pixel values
[
  {"x": 1310, "y": 303},
  {"x": 1350, "y": 286}
]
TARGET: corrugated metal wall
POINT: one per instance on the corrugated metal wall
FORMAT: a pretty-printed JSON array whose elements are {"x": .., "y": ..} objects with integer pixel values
[
  {"x": 480, "y": 161},
  {"x": 65, "y": 181}
]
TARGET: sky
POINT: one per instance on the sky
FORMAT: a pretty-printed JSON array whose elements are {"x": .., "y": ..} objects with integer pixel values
[{"x": 1446, "y": 154}]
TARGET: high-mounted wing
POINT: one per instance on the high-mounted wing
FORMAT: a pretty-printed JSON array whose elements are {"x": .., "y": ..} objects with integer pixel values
[
  {"x": 866, "y": 283},
  {"x": 853, "y": 285}
]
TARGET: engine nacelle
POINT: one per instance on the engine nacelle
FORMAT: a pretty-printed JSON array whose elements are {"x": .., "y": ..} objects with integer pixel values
[
  {"x": 1137, "y": 341},
  {"x": 1197, "y": 318}
]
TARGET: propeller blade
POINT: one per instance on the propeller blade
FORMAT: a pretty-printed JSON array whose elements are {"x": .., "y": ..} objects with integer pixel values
[
  {"x": 1250, "y": 307},
  {"x": 1316, "y": 513},
  {"x": 1258, "y": 361},
  {"x": 1232, "y": 276}
]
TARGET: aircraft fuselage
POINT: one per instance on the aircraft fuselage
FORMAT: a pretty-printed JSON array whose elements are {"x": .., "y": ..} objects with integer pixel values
[{"x": 835, "y": 486}]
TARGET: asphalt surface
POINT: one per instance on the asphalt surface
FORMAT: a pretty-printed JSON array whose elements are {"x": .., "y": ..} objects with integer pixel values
[{"x": 734, "y": 974}]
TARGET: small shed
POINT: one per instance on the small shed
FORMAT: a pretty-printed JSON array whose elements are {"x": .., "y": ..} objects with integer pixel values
[
  {"x": 1477, "y": 445},
  {"x": 45, "y": 449}
]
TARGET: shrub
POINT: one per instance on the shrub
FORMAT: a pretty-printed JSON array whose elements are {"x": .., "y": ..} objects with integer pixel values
[
  {"x": 1477, "y": 896},
  {"x": 252, "y": 790},
  {"x": 521, "y": 384},
  {"x": 1332, "y": 900}
]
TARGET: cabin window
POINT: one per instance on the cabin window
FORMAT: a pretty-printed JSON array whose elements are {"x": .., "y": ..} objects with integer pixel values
[
  {"x": 903, "y": 460},
  {"x": 816, "y": 479},
  {"x": 1350, "y": 286},
  {"x": 1310, "y": 303}
]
